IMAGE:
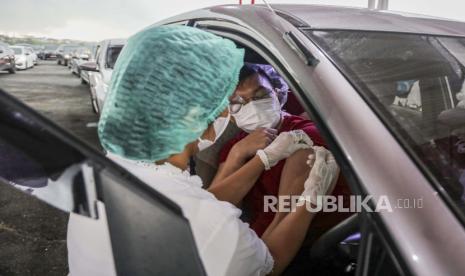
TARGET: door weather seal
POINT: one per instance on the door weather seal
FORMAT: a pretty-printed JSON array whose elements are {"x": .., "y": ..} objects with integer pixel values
[
  {"x": 91, "y": 191},
  {"x": 300, "y": 49}
]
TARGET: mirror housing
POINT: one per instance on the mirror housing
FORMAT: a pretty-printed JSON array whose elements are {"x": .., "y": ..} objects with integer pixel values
[{"x": 89, "y": 66}]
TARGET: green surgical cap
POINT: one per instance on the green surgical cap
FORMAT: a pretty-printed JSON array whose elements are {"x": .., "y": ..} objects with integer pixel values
[{"x": 168, "y": 84}]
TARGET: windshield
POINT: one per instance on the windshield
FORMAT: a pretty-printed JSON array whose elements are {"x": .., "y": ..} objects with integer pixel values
[
  {"x": 416, "y": 85},
  {"x": 69, "y": 49},
  {"x": 18, "y": 51},
  {"x": 112, "y": 55},
  {"x": 50, "y": 47}
]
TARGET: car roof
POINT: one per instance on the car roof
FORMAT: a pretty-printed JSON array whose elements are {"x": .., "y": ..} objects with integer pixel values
[
  {"x": 345, "y": 18},
  {"x": 333, "y": 17},
  {"x": 113, "y": 41},
  {"x": 118, "y": 41}
]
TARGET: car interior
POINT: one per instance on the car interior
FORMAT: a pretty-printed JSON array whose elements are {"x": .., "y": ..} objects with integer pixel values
[{"x": 333, "y": 251}]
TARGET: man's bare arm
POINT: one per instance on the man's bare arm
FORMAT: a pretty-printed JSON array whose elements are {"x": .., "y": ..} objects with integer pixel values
[
  {"x": 293, "y": 176},
  {"x": 237, "y": 184}
]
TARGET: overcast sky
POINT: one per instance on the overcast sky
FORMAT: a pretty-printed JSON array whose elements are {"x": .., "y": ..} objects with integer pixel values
[{"x": 94, "y": 20}]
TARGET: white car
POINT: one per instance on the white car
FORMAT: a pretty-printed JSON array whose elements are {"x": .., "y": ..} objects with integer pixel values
[
  {"x": 23, "y": 57},
  {"x": 33, "y": 54},
  {"x": 105, "y": 58}
]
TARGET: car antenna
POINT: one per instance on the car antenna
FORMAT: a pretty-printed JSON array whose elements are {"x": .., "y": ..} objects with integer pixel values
[
  {"x": 270, "y": 8},
  {"x": 294, "y": 42}
]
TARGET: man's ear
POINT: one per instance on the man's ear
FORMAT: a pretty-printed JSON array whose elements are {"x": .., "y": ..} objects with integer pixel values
[
  {"x": 192, "y": 148},
  {"x": 209, "y": 133}
]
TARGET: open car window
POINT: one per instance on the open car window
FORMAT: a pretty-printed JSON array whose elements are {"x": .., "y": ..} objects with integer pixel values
[{"x": 112, "y": 55}]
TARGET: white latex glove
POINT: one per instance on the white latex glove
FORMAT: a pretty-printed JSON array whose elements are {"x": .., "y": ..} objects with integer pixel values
[
  {"x": 321, "y": 179},
  {"x": 284, "y": 146}
]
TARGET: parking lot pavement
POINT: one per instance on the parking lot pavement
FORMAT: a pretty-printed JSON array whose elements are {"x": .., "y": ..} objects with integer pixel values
[
  {"x": 33, "y": 234},
  {"x": 55, "y": 92}
]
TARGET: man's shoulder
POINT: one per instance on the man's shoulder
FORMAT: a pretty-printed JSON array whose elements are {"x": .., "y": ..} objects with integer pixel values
[{"x": 294, "y": 122}]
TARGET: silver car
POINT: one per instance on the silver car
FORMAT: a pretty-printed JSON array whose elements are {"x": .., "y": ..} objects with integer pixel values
[
  {"x": 98, "y": 73},
  {"x": 386, "y": 91}
]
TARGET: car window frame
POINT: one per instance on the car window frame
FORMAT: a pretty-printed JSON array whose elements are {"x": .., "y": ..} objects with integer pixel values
[
  {"x": 241, "y": 34},
  {"x": 234, "y": 33},
  {"x": 370, "y": 225}
]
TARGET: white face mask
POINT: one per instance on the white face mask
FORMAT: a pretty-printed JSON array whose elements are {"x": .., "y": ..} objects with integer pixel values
[
  {"x": 219, "y": 125},
  {"x": 260, "y": 113}
]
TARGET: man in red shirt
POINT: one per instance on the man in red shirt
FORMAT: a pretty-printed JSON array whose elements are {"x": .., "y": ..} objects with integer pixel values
[{"x": 256, "y": 109}]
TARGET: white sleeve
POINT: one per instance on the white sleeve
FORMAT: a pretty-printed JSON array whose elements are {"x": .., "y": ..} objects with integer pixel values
[{"x": 251, "y": 256}]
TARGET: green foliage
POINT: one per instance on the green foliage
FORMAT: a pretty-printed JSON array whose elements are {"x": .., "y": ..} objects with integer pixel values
[{"x": 38, "y": 40}]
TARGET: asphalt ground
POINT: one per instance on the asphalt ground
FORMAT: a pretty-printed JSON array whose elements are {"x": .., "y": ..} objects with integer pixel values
[{"x": 33, "y": 234}]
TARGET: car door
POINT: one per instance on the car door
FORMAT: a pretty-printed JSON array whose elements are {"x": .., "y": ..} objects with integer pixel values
[
  {"x": 93, "y": 78},
  {"x": 98, "y": 76},
  {"x": 149, "y": 235},
  {"x": 29, "y": 58},
  {"x": 3, "y": 57},
  {"x": 325, "y": 94}
]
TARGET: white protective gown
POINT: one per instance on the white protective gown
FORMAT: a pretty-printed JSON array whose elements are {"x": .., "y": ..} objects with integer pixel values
[{"x": 227, "y": 246}]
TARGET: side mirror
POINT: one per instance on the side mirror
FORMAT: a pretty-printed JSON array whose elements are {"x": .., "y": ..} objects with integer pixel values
[
  {"x": 27, "y": 54},
  {"x": 89, "y": 66},
  {"x": 1, "y": 51}
]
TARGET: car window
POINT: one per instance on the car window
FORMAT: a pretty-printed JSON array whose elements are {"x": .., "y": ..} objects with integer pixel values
[
  {"x": 69, "y": 49},
  {"x": 416, "y": 85},
  {"x": 18, "y": 51},
  {"x": 112, "y": 55}
]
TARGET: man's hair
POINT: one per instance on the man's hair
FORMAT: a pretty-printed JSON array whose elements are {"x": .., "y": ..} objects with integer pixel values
[
  {"x": 270, "y": 73},
  {"x": 245, "y": 73}
]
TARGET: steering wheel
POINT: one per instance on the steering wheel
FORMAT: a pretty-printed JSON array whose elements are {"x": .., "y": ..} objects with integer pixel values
[{"x": 328, "y": 242}]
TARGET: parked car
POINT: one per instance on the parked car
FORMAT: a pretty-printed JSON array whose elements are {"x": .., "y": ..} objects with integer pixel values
[
  {"x": 84, "y": 74},
  {"x": 30, "y": 49},
  {"x": 39, "y": 50},
  {"x": 79, "y": 56},
  {"x": 7, "y": 59},
  {"x": 50, "y": 52},
  {"x": 23, "y": 57},
  {"x": 64, "y": 52},
  {"x": 107, "y": 52},
  {"x": 33, "y": 54},
  {"x": 348, "y": 67}
]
